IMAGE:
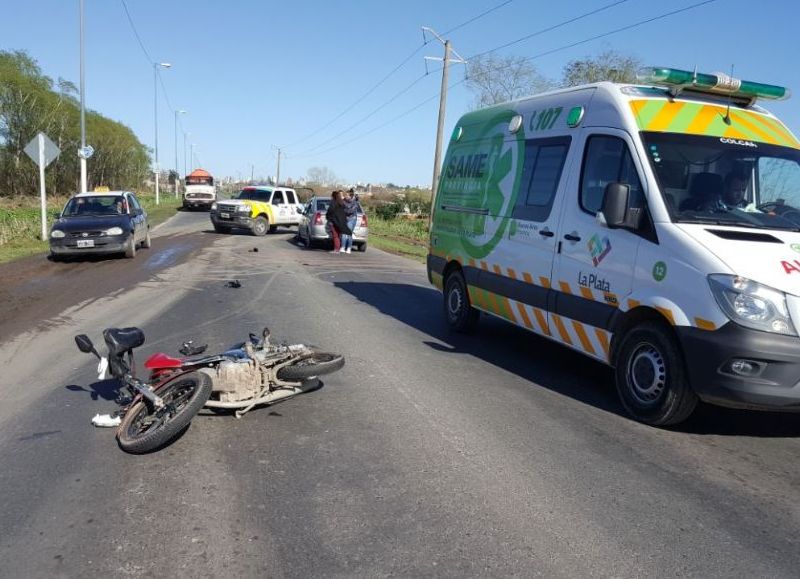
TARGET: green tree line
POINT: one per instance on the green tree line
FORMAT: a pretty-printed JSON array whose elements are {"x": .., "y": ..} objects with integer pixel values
[{"x": 31, "y": 102}]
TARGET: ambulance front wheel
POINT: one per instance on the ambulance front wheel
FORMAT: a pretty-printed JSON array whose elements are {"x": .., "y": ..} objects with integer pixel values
[
  {"x": 651, "y": 376},
  {"x": 460, "y": 315}
]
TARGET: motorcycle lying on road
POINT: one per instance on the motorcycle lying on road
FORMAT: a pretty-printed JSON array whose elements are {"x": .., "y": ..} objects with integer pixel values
[{"x": 155, "y": 411}]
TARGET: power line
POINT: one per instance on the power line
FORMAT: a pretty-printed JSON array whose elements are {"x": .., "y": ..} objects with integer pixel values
[
  {"x": 360, "y": 99},
  {"x": 551, "y": 28},
  {"x": 362, "y": 119},
  {"x": 474, "y": 18},
  {"x": 548, "y": 52},
  {"x": 136, "y": 33},
  {"x": 615, "y": 31}
]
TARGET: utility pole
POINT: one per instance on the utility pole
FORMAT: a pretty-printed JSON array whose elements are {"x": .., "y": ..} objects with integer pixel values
[
  {"x": 446, "y": 60},
  {"x": 252, "y": 173},
  {"x": 278, "y": 174},
  {"x": 177, "y": 171}
]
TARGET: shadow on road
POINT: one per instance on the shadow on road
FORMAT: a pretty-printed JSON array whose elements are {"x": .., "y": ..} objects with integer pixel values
[
  {"x": 102, "y": 390},
  {"x": 546, "y": 363}
]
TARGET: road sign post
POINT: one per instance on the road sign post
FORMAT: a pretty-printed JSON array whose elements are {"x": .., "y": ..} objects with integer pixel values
[{"x": 42, "y": 151}]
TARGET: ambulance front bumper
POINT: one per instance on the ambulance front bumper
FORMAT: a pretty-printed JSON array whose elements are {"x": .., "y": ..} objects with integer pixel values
[{"x": 743, "y": 368}]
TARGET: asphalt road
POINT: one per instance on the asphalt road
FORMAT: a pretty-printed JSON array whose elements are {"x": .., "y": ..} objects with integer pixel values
[{"x": 429, "y": 454}]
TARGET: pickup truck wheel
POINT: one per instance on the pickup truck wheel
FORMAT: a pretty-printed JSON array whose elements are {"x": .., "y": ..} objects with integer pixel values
[
  {"x": 458, "y": 311},
  {"x": 260, "y": 226},
  {"x": 651, "y": 377},
  {"x": 130, "y": 248}
]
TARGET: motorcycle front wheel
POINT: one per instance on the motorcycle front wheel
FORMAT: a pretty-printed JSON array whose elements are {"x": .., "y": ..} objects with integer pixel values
[
  {"x": 145, "y": 428},
  {"x": 310, "y": 366}
]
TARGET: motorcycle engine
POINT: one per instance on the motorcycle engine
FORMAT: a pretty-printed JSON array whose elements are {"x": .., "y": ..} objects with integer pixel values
[{"x": 236, "y": 381}]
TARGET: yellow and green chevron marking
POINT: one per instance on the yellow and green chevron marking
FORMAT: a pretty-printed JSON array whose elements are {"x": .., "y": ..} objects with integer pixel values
[{"x": 703, "y": 119}]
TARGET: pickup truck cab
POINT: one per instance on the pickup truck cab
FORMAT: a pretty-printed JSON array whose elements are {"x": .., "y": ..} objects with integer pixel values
[
  {"x": 258, "y": 208},
  {"x": 652, "y": 227}
]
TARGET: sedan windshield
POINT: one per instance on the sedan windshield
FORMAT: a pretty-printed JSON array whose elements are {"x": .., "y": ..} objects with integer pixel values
[
  {"x": 726, "y": 181},
  {"x": 95, "y": 205}
]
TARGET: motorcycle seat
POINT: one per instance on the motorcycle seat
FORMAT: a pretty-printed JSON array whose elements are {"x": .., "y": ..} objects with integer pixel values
[{"x": 120, "y": 340}]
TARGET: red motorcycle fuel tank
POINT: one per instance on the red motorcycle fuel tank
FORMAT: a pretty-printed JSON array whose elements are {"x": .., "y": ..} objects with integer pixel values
[{"x": 160, "y": 361}]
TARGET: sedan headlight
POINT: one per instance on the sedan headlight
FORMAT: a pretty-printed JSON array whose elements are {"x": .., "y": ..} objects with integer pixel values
[
  {"x": 57, "y": 234},
  {"x": 243, "y": 209},
  {"x": 114, "y": 231},
  {"x": 751, "y": 304}
]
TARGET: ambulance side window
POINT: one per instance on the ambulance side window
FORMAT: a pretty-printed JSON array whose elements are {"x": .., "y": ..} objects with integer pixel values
[
  {"x": 541, "y": 173},
  {"x": 607, "y": 160}
]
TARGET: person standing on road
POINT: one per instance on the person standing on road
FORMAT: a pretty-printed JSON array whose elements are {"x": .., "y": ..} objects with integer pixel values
[
  {"x": 338, "y": 220},
  {"x": 351, "y": 212}
]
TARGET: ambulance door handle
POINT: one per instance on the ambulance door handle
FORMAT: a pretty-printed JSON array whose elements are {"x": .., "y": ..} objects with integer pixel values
[
  {"x": 572, "y": 236},
  {"x": 546, "y": 232}
]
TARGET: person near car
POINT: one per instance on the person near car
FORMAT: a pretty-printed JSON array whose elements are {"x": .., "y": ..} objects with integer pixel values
[
  {"x": 338, "y": 220},
  {"x": 351, "y": 212}
]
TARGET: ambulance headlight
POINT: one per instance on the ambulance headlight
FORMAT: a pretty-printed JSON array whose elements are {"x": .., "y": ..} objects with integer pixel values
[{"x": 752, "y": 304}]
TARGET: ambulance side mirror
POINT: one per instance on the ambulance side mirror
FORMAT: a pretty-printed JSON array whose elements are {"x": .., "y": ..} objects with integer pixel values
[{"x": 614, "y": 210}]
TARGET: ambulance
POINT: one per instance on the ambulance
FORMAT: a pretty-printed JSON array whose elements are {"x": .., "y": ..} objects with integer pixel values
[{"x": 653, "y": 227}]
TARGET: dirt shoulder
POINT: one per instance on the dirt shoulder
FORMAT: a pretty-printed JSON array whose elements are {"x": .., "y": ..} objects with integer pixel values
[{"x": 35, "y": 290}]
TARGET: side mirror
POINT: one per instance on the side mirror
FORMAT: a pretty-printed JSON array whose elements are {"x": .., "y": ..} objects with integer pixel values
[
  {"x": 85, "y": 344},
  {"x": 614, "y": 208}
]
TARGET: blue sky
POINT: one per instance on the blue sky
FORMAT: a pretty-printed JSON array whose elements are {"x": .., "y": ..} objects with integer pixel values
[{"x": 256, "y": 74}]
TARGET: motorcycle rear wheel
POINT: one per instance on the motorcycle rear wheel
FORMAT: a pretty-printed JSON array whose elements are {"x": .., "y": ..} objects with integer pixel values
[
  {"x": 144, "y": 428},
  {"x": 311, "y": 365}
]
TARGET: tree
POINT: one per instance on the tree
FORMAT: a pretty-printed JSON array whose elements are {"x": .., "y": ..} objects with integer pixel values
[
  {"x": 497, "y": 79},
  {"x": 31, "y": 102},
  {"x": 321, "y": 175},
  {"x": 609, "y": 65}
]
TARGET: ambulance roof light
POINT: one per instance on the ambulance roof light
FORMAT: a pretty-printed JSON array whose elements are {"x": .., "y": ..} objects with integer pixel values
[{"x": 717, "y": 83}]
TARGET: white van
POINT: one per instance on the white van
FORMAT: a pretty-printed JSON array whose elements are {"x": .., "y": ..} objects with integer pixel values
[{"x": 655, "y": 228}]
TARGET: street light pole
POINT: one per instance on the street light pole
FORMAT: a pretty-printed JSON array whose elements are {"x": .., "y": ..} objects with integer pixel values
[
  {"x": 155, "y": 114},
  {"x": 84, "y": 186},
  {"x": 177, "y": 173}
]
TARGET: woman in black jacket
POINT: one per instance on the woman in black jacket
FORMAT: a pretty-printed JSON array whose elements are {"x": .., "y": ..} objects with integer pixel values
[{"x": 337, "y": 217}]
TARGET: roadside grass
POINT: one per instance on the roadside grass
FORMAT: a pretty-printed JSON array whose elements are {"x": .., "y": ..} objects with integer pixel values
[
  {"x": 20, "y": 225},
  {"x": 406, "y": 237}
]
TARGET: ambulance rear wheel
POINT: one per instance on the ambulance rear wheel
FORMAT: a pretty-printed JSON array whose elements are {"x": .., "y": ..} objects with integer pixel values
[
  {"x": 458, "y": 311},
  {"x": 651, "y": 376}
]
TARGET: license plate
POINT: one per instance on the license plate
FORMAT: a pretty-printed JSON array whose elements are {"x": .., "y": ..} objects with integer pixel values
[
  {"x": 86, "y": 243},
  {"x": 225, "y": 215}
]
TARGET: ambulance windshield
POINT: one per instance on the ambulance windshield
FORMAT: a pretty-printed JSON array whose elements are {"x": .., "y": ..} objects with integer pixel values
[{"x": 726, "y": 181}]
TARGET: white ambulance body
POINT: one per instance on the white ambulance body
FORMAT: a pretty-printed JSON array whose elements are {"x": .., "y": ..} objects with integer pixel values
[{"x": 654, "y": 228}]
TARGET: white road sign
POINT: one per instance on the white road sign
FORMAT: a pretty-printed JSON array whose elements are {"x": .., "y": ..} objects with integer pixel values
[{"x": 51, "y": 150}]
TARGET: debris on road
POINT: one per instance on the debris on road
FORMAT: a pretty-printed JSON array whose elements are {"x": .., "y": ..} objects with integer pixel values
[
  {"x": 235, "y": 283},
  {"x": 106, "y": 420}
]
